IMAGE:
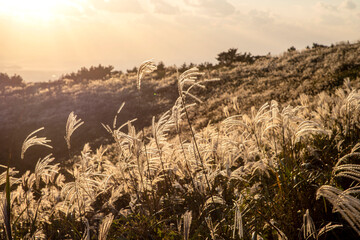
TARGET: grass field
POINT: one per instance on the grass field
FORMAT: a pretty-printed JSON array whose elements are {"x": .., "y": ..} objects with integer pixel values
[{"x": 262, "y": 150}]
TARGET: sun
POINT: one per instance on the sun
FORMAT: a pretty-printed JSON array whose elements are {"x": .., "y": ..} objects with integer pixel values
[{"x": 32, "y": 9}]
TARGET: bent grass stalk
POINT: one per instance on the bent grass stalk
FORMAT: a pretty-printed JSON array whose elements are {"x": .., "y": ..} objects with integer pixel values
[
  {"x": 71, "y": 125},
  {"x": 146, "y": 67},
  {"x": 32, "y": 140},
  {"x": 190, "y": 76}
]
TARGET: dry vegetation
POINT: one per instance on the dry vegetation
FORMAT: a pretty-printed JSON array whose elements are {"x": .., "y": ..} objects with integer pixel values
[{"x": 279, "y": 160}]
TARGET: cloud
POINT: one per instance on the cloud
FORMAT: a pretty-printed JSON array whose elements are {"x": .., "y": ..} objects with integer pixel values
[
  {"x": 332, "y": 19},
  {"x": 261, "y": 17},
  {"x": 118, "y": 6},
  {"x": 326, "y": 6},
  {"x": 213, "y": 7},
  {"x": 163, "y": 7},
  {"x": 348, "y": 4},
  {"x": 341, "y": 14}
]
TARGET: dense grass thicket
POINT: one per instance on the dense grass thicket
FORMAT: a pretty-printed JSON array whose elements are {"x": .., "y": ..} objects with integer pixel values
[
  {"x": 282, "y": 78},
  {"x": 286, "y": 168}
]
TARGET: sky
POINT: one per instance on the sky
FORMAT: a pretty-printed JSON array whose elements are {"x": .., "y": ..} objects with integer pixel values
[{"x": 42, "y": 39}]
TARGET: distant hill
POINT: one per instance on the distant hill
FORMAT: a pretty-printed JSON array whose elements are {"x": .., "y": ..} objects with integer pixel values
[{"x": 242, "y": 83}]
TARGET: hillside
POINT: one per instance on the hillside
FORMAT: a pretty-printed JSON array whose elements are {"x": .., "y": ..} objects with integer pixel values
[
  {"x": 282, "y": 78},
  {"x": 270, "y": 150}
]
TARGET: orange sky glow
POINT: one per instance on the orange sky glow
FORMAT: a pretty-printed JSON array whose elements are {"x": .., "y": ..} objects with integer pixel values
[{"x": 41, "y": 39}]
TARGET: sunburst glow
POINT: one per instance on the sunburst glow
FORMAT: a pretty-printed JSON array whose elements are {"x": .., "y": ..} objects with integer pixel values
[{"x": 34, "y": 9}]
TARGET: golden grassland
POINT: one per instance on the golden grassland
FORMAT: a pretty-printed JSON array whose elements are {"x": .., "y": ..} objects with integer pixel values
[
  {"x": 272, "y": 153},
  {"x": 282, "y": 78}
]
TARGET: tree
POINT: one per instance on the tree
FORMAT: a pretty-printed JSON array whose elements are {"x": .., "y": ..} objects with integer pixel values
[
  {"x": 291, "y": 49},
  {"x": 160, "y": 70},
  {"x": 317, "y": 45},
  {"x": 6, "y": 80},
  {"x": 205, "y": 65},
  {"x": 93, "y": 73},
  {"x": 245, "y": 57},
  {"x": 231, "y": 56},
  {"x": 227, "y": 58},
  {"x": 134, "y": 70},
  {"x": 183, "y": 68},
  {"x": 16, "y": 80}
]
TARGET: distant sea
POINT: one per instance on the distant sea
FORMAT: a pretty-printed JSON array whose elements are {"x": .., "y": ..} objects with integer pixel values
[{"x": 37, "y": 75}]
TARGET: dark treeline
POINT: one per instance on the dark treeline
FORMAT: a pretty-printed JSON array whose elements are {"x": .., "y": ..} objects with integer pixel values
[
  {"x": 92, "y": 73},
  {"x": 227, "y": 58},
  {"x": 6, "y": 80}
]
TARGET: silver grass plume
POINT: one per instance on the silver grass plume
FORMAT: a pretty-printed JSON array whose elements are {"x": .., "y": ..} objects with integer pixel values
[
  {"x": 353, "y": 153},
  {"x": 162, "y": 127},
  {"x": 238, "y": 223},
  {"x": 3, "y": 176},
  {"x": 348, "y": 170},
  {"x": 187, "y": 223},
  {"x": 189, "y": 77},
  {"x": 327, "y": 228},
  {"x": 347, "y": 205},
  {"x": 235, "y": 103},
  {"x": 45, "y": 171},
  {"x": 308, "y": 226},
  {"x": 105, "y": 226},
  {"x": 146, "y": 67},
  {"x": 82, "y": 190},
  {"x": 60, "y": 180},
  {"x": 347, "y": 84},
  {"x": 308, "y": 127},
  {"x": 178, "y": 111},
  {"x": 213, "y": 200},
  {"x": 117, "y": 113},
  {"x": 71, "y": 125},
  {"x": 32, "y": 140}
]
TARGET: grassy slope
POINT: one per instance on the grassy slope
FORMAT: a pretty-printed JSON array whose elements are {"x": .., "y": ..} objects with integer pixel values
[
  {"x": 272, "y": 176},
  {"x": 282, "y": 78}
]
